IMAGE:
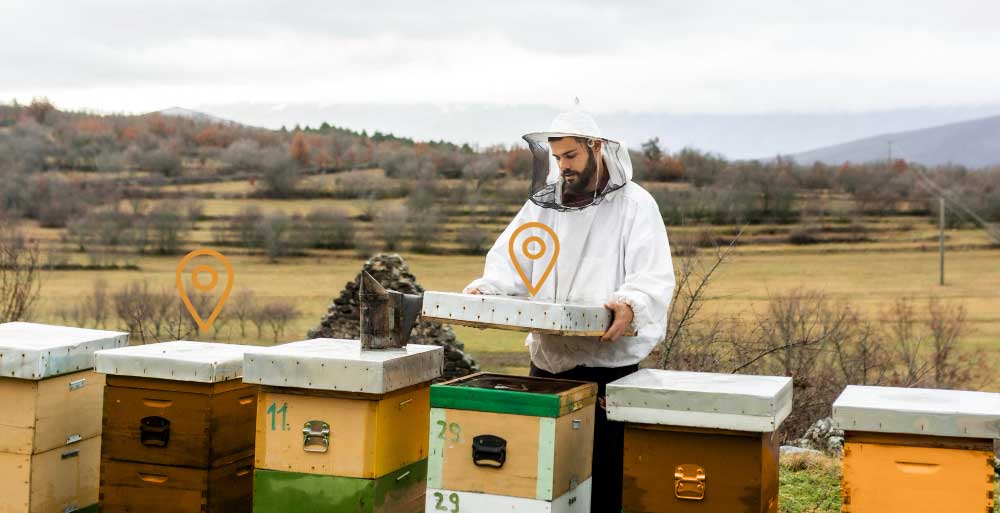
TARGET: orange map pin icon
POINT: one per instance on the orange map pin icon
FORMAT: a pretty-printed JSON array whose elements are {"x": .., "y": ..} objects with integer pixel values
[
  {"x": 526, "y": 250},
  {"x": 203, "y": 285}
]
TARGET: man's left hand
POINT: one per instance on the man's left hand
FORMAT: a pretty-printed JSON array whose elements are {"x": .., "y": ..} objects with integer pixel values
[{"x": 622, "y": 316}]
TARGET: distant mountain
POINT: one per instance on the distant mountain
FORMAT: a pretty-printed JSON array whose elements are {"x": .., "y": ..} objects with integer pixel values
[
  {"x": 737, "y": 136},
  {"x": 974, "y": 144},
  {"x": 180, "y": 112}
]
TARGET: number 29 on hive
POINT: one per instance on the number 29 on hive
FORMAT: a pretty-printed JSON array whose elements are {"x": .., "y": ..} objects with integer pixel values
[{"x": 441, "y": 506}]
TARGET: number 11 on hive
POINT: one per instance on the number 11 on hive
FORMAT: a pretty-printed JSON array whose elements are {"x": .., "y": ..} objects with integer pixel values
[{"x": 273, "y": 411}]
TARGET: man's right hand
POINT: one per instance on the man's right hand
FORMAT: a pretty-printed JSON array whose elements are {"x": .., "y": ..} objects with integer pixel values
[{"x": 471, "y": 291}]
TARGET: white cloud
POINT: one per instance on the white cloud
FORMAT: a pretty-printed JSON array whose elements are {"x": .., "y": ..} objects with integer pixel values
[{"x": 679, "y": 56}]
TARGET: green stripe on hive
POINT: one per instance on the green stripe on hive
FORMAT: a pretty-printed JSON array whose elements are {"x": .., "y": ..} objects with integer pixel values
[
  {"x": 495, "y": 401},
  {"x": 292, "y": 492}
]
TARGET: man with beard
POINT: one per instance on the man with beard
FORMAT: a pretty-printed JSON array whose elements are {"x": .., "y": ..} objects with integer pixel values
[{"x": 614, "y": 251}]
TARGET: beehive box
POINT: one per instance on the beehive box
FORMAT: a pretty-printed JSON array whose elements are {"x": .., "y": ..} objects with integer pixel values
[
  {"x": 517, "y": 314},
  {"x": 178, "y": 428},
  {"x": 340, "y": 428},
  {"x": 128, "y": 486},
  {"x": 511, "y": 437},
  {"x": 178, "y": 403},
  {"x": 699, "y": 442},
  {"x": 50, "y": 435},
  {"x": 917, "y": 450}
]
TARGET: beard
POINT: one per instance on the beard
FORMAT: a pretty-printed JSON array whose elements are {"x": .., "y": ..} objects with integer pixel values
[{"x": 583, "y": 177}]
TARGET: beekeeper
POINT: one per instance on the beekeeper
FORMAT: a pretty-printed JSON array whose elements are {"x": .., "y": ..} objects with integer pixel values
[{"x": 613, "y": 251}]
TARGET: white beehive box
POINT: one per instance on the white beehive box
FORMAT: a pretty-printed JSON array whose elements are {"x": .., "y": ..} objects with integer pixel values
[
  {"x": 517, "y": 314},
  {"x": 40, "y": 351},
  {"x": 182, "y": 360},
  {"x": 701, "y": 399},
  {"x": 341, "y": 365},
  {"x": 918, "y": 411}
]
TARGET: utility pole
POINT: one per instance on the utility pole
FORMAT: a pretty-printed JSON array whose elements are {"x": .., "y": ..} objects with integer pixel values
[{"x": 941, "y": 237}]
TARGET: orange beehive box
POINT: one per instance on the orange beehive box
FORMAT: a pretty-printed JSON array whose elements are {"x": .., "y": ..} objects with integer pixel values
[{"x": 917, "y": 450}]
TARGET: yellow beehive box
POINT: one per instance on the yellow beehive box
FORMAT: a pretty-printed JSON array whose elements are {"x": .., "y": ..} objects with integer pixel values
[
  {"x": 61, "y": 479},
  {"x": 50, "y": 435},
  {"x": 327, "y": 407},
  {"x": 917, "y": 450},
  {"x": 511, "y": 436}
]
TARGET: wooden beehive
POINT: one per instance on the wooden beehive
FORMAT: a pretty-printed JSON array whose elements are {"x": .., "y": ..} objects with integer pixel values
[
  {"x": 178, "y": 420},
  {"x": 517, "y": 314},
  {"x": 50, "y": 434},
  {"x": 917, "y": 450},
  {"x": 511, "y": 437},
  {"x": 699, "y": 442},
  {"x": 341, "y": 428}
]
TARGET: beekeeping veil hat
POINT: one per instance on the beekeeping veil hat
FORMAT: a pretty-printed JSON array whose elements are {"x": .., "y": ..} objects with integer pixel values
[{"x": 546, "y": 180}]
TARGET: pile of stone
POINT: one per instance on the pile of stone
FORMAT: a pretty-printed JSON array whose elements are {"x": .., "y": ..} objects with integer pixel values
[
  {"x": 822, "y": 436},
  {"x": 342, "y": 319}
]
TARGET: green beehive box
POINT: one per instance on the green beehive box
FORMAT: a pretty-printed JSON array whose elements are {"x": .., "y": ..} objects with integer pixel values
[{"x": 401, "y": 491}]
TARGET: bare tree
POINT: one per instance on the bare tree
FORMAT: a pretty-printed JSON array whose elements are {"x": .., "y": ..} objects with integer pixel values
[
  {"x": 243, "y": 306},
  {"x": 277, "y": 315},
  {"x": 20, "y": 275}
]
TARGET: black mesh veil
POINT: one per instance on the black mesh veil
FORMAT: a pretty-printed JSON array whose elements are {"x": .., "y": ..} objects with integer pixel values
[{"x": 546, "y": 179}]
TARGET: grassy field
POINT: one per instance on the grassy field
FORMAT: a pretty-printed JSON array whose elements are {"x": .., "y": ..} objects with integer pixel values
[
  {"x": 897, "y": 258},
  {"x": 872, "y": 281}
]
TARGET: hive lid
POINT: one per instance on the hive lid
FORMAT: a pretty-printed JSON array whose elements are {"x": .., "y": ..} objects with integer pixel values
[
  {"x": 518, "y": 395},
  {"x": 181, "y": 360},
  {"x": 341, "y": 365},
  {"x": 701, "y": 399},
  {"x": 918, "y": 411},
  {"x": 516, "y": 314},
  {"x": 39, "y": 351}
]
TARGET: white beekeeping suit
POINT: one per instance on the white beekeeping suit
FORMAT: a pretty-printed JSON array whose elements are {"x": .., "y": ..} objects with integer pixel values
[{"x": 614, "y": 248}]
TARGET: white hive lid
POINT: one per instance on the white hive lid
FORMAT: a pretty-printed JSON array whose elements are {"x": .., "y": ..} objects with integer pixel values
[
  {"x": 918, "y": 411},
  {"x": 517, "y": 313},
  {"x": 701, "y": 399},
  {"x": 341, "y": 365},
  {"x": 181, "y": 360},
  {"x": 39, "y": 351}
]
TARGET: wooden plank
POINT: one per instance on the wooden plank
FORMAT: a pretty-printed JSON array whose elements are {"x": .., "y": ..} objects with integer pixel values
[
  {"x": 281, "y": 418},
  {"x": 367, "y": 439},
  {"x": 168, "y": 385},
  {"x": 732, "y": 464},
  {"x": 15, "y": 486},
  {"x": 204, "y": 429},
  {"x": 523, "y": 329},
  {"x": 518, "y": 477},
  {"x": 69, "y": 408},
  {"x": 132, "y": 487},
  {"x": 901, "y": 478},
  {"x": 401, "y": 429},
  {"x": 17, "y": 425},
  {"x": 940, "y": 442},
  {"x": 66, "y": 478},
  {"x": 186, "y": 441},
  {"x": 574, "y": 450}
]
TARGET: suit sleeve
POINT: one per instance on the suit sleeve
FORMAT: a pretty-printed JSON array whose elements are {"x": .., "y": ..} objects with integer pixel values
[{"x": 649, "y": 271}]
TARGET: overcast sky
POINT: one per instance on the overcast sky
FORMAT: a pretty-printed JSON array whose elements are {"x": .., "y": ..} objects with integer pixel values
[{"x": 701, "y": 56}]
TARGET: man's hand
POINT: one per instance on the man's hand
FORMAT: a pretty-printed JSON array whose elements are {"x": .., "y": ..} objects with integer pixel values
[
  {"x": 622, "y": 316},
  {"x": 471, "y": 291}
]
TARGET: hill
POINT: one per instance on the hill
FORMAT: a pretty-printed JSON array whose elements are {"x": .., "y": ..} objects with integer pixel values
[{"x": 973, "y": 144}]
